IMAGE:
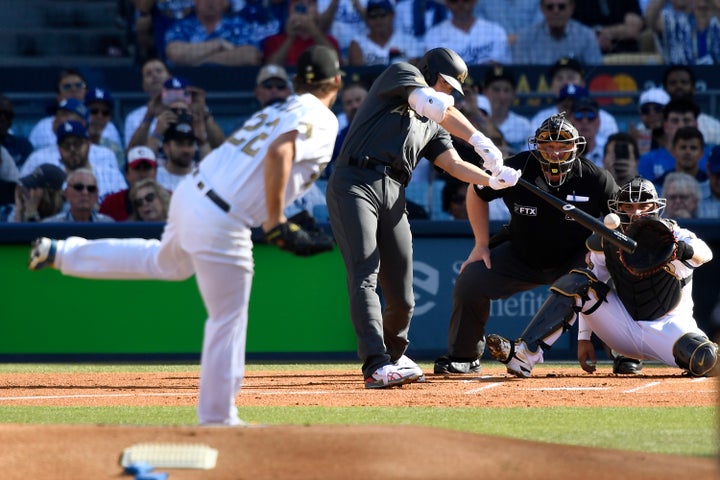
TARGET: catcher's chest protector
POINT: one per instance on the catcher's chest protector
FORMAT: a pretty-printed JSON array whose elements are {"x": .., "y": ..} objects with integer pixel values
[{"x": 645, "y": 298}]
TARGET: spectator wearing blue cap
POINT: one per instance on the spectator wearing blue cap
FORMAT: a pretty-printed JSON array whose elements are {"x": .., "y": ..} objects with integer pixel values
[
  {"x": 101, "y": 129},
  {"x": 153, "y": 74},
  {"x": 178, "y": 99},
  {"x": 584, "y": 115},
  {"x": 710, "y": 202},
  {"x": 38, "y": 195},
  {"x": 70, "y": 83},
  {"x": 564, "y": 73},
  {"x": 74, "y": 150}
]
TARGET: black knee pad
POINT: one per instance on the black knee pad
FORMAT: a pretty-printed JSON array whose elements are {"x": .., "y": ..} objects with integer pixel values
[{"x": 696, "y": 354}]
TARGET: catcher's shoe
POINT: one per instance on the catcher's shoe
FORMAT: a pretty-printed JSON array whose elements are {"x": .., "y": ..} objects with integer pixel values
[
  {"x": 391, "y": 375},
  {"x": 446, "y": 364},
  {"x": 404, "y": 364},
  {"x": 42, "y": 253},
  {"x": 626, "y": 366},
  {"x": 513, "y": 354}
]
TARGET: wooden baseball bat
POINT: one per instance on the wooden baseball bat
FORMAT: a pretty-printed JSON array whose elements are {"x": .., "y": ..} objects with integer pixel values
[{"x": 616, "y": 237}]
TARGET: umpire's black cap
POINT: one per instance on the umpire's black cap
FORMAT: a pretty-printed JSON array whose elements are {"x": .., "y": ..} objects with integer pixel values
[{"x": 318, "y": 63}]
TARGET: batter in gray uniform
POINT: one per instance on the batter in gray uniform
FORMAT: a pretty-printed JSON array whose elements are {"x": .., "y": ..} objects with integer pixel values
[{"x": 406, "y": 115}]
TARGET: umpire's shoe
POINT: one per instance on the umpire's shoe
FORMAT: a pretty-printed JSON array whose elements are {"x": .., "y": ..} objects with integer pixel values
[
  {"x": 42, "y": 253},
  {"x": 446, "y": 364},
  {"x": 626, "y": 365}
]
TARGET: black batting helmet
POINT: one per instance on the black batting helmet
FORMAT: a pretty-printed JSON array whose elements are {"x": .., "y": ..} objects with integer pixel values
[
  {"x": 556, "y": 145},
  {"x": 639, "y": 192},
  {"x": 447, "y": 64}
]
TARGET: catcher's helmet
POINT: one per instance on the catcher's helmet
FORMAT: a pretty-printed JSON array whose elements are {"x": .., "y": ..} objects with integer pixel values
[
  {"x": 556, "y": 145},
  {"x": 447, "y": 64},
  {"x": 642, "y": 198}
]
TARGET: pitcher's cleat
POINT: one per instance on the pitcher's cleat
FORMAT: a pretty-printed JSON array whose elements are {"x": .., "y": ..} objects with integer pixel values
[
  {"x": 42, "y": 253},
  {"x": 512, "y": 354}
]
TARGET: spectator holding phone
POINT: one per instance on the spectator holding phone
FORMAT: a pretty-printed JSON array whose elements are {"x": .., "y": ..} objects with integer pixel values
[
  {"x": 177, "y": 97},
  {"x": 302, "y": 30},
  {"x": 620, "y": 157}
]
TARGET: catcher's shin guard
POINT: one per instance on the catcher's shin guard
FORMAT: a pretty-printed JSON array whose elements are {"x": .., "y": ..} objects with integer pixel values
[
  {"x": 698, "y": 355},
  {"x": 561, "y": 308}
]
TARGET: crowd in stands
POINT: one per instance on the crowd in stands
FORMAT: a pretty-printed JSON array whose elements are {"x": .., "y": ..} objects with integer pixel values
[{"x": 76, "y": 166}]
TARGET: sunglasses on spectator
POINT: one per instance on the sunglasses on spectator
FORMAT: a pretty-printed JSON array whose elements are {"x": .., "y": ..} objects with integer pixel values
[
  {"x": 7, "y": 114},
  {"x": 72, "y": 86},
  {"x": 378, "y": 14},
  {"x": 648, "y": 108},
  {"x": 105, "y": 112},
  {"x": 560, "y": 7},
  {"x": 588, "y": 114},
  {"x": 456, "y": 1},
  {"x": 149, "y": 198},
  {"x": 277, "y": 84},
  {"x": 79, "y": 187}
]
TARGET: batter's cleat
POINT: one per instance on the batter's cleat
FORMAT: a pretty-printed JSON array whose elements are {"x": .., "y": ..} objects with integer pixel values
[
  {"x": 392, "y": 376},
  {"x": 404, "y": 364},
  {"x": 446, "y": 365},
  {"x": 512, "y": 354},
  {"x": 626, "y": 366},
  {"x": 42, "y": 253}
]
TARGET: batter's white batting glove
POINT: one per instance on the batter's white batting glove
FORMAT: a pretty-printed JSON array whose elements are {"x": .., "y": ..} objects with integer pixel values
[
  {"x": 491, "y": 155},
  {"x": 506, "y": 177}
]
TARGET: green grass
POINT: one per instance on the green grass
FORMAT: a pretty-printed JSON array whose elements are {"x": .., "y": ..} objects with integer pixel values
[{"x": 673, "y": 430}]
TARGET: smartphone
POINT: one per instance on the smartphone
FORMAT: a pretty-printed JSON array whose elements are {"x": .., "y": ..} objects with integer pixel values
[
  {"x": 300, "y": 8},
  {"x": 622, "y": 150}
]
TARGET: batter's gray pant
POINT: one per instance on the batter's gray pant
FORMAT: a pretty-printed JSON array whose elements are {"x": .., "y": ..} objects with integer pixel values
[{"x": 368, "y": 219}]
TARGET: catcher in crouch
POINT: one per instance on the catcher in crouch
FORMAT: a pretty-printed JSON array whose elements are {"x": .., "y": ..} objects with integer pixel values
[{"x": 639, "y": 304}]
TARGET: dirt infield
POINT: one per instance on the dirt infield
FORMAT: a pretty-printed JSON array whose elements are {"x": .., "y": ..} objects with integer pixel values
[{"x": 348, "y": 452}]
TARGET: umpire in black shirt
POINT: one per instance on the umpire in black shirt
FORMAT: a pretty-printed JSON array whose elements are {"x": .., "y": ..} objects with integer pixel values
[{"x": 538, "y": 245}]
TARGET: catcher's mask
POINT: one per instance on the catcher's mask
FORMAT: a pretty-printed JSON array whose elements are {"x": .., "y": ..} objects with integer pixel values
[
  {"x": 447, "y": 64},
  {"x": 556, "y": 145},
  {"x": 637, "y": 198}
]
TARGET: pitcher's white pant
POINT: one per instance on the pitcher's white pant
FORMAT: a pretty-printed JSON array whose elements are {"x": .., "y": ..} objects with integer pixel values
[
  {"x": 199, "y": 238},
  {"x": 644, "y": 340}
]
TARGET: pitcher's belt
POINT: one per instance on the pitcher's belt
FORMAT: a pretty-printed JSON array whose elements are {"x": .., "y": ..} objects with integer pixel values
[{"x": 210, "y": 193}]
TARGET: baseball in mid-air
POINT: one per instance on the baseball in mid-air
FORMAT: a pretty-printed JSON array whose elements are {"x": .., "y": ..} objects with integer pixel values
[{"x": 612, "y": 221}]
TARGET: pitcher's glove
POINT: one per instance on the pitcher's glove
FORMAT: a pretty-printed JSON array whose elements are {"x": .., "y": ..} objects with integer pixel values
[
  {"x": 290, "y": 237},
  {"x": 656, "y": 246}
]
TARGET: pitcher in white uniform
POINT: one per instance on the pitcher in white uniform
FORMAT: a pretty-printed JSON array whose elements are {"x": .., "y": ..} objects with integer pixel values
[{"x": 245, "y": 182}]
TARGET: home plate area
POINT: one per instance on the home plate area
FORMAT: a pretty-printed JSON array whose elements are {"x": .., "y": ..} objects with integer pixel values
[{"x": 550, "y": 385}]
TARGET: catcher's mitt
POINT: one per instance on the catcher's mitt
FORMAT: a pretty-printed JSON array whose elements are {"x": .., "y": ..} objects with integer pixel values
[
  {"x": 656, "y": 246},
  {"x": 289, "y": 236}
]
